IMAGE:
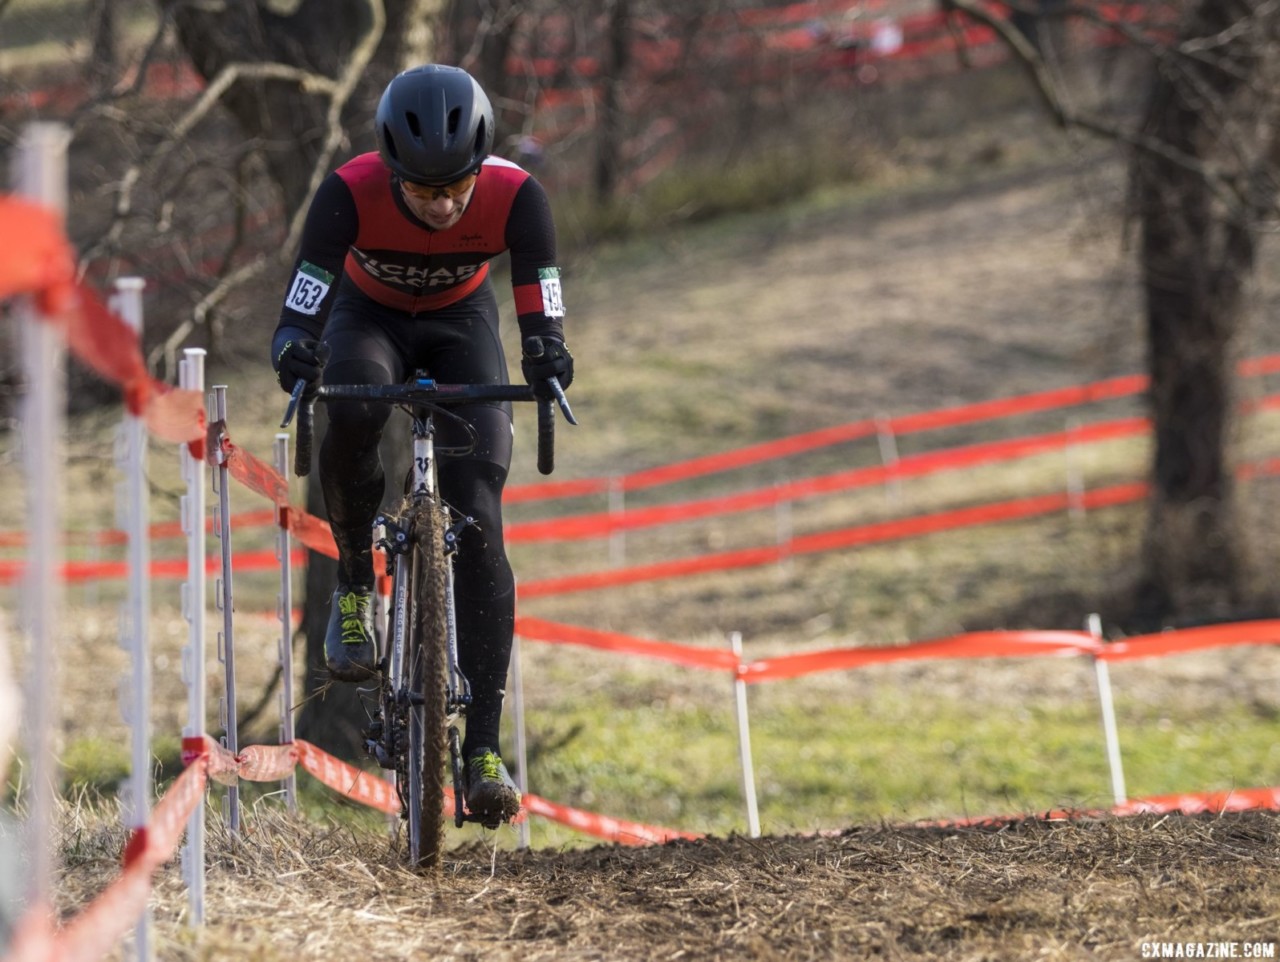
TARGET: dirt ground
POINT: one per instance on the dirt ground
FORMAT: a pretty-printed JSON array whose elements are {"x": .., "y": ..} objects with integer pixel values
[{"x": 1032, "y": 889}]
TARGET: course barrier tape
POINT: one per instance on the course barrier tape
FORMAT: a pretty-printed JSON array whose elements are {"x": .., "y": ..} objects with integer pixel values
[
  {"x": 270, "y": 763},
  {"x": 313, "y": 532},
  {"x": 164, "y": 568},
  {"x": 880, "y": 532},
  {"x": 603, "y": 524},
  {"x": 959, "y": 416},
  {"x": 39, "y": 260},
  {"x": 841, "y": 538},
  {"x": 1181, "y": 803},
  {"x": 978, "y": 644},
  {"x": 256, "y": 475},
  {"x": 316, "y": 534},
  {"x": 157, "y": 531},
  {"x": 603, "y": 826},
  {"x": 92, "y": 932}
]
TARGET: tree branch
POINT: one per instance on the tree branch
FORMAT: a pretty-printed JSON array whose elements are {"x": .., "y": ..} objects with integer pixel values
[{"x": 1067, "y": 118}]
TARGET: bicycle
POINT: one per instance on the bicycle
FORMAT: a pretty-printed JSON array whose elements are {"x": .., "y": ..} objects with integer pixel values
[{"x": 418, "y": 647}]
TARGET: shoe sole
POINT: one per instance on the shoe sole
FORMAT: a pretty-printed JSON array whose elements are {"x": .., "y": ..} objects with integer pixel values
[
  {"x": 508, "y": 808},
  {"x": 350, "y": 672}
]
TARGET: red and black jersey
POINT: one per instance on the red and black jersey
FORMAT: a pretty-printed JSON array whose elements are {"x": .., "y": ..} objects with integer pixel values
[{"x": 359, "y": 227}]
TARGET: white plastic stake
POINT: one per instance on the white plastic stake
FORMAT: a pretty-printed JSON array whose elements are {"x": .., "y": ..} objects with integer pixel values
[
  {"x": 285, "y": 602},
  {"x": 744, "y": 741},
  {"x": 136, "y": 615},
  {"x": 40, "y": 173},
  {"x": 194, "y": 594},
  {"x": 617, "y": 506},
  {"x": 1075, "y": 479},
  {"x": 888, "y": 442},
  {"x": 522, "y": 744},
  {"x": 226, "y": 604},
  {"x": 784, "y": 533},
  {"x": 1102, "y": 672}
]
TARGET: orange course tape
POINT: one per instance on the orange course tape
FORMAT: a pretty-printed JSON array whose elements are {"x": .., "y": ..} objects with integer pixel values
[
  {"x": 602, "y": 524},
  {"x": 37, "y": 258},
  {"x": 833, "y": 540},
  {"x": 602, "y": 826},
  {"x": 978, "y": 644},
  {"x": 115, "y": 910},
  {"x": 537, "y": 629},
  {"x": 77, "y": 571},
  {"x": 348, "y": 780}
]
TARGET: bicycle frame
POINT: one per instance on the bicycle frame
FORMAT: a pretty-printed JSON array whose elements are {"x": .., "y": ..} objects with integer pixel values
[
  {"x": 403, "y": 736},
  {"x": 422, "y": 489}
]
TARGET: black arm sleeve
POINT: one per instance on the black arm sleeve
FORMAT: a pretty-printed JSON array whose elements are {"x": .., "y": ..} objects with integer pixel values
[
  {"x": 531, "y": 238},
  {"x": 330, "y": 228}
]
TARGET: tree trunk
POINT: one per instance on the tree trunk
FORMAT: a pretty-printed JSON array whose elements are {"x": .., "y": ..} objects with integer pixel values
[
  {"x": 1196, "y": 256},
  {"x": 102, "y": 51},
  {"x": 317, "y": 35},
  {"x": 610, "y": 134},
  {"x": 290, "y": 125}
]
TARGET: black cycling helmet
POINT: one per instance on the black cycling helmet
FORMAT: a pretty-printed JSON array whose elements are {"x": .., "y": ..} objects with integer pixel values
[{"x": 434, "y": 125}]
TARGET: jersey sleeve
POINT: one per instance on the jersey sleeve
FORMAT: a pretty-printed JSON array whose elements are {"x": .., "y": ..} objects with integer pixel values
[
  {"x": 535, "y": 278},
  {"x": 329, "y": 230}
]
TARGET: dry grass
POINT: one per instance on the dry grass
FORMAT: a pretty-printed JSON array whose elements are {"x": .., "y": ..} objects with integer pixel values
[{"x": 1093, "y": 888}]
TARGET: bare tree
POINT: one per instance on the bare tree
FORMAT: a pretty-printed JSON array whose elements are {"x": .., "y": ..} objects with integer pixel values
[
  {"x": 613, "y": 82},
  {"x": 1205, "y": 158},
  {"x": 301, "y": 80}
]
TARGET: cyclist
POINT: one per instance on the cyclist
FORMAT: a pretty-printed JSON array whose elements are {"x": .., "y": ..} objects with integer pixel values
[{"x": 392, "y": 276}]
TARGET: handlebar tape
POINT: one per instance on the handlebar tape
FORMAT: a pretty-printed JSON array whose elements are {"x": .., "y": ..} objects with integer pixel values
[
  {"x": 546, "y": 435},
  {"x": 302, "y": 448}
]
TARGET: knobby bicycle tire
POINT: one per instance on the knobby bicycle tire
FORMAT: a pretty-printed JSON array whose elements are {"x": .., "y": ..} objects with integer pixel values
[{"x": 428, "y": 658}]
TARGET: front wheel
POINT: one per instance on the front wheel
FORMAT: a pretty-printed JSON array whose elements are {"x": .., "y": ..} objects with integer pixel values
[{"x": 428, "y": 663}]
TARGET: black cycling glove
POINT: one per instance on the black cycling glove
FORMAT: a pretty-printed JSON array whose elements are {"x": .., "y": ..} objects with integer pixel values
[
  {"x": 300, "y": 360},
  {"x": 546, "y": 356}
]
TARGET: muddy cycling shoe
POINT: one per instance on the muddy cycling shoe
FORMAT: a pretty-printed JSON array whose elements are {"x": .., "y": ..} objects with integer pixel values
[
  {"x": 349, "y": 650},
  {"x": 491, "y": 794}
]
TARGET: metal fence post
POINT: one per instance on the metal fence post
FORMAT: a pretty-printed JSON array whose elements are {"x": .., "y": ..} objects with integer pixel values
[
  {"x": 134, "y": 514},
  {"x": 285, "y": 604},
  {"x": 194, "y": 594},
  {"x": 40, "y": 173},
  {"x": 522, "y": 745},
  {"x": 226, "y": 604}
]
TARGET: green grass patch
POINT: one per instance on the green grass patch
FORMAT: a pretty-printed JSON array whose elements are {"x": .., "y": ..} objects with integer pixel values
[{"x": 894, "y": 749}]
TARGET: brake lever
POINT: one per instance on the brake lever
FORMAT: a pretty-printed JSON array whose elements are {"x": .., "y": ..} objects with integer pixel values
[
  {"x": 294, "y": 397},
  {"x": 563, "y": 401}
]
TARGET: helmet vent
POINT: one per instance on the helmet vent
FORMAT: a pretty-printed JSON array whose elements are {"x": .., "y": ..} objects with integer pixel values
[
  {"x": 412, "y": 120},
  {"x": 455, "y": 117},
  {"x": 389, "y": 142}
]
